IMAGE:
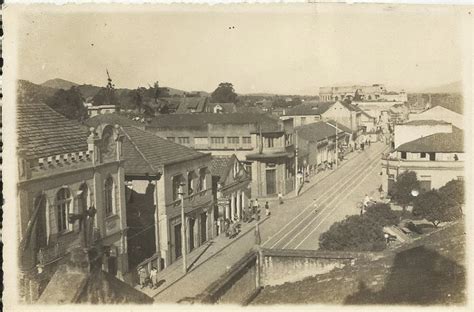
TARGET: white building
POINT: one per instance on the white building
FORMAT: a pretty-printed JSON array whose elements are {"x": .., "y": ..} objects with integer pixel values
[{"x": 441, "y": 114}]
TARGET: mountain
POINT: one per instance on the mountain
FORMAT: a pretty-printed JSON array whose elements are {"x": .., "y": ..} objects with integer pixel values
[
  {"x": 31, "y": 92},
  {"x": 59, "y": 83},
  {"x": 453, "y": 87}
]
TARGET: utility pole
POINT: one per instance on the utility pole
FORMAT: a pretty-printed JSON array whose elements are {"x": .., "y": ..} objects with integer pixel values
[
  {"x": 183, "y": 229},
  {"x": 337, "y": 152},
  {"x": 296, "y": 162}
]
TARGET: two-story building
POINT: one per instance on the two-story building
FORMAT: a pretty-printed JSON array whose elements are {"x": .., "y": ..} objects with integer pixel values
[
  {"x": 66, "y": 171},
  {"x": 415, "y": 129},
  {"x": 231, "y": 187},
  {"x": 306, "y": 113},
  {"x": 436, "y": 158},
  {"x": 440, "y": 113}
]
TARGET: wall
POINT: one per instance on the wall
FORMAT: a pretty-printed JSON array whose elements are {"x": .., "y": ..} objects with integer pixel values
[
  {"x": 408, "y": 133},
  {"x": 440, "y": 113}
]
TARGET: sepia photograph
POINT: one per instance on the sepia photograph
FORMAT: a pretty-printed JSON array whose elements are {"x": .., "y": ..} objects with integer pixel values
[{"x": 252, "y": 156}]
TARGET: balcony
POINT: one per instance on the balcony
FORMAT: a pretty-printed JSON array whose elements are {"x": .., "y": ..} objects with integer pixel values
[
  {"x": 193, "y": 201},
  {"x": 394, "y": 163}
]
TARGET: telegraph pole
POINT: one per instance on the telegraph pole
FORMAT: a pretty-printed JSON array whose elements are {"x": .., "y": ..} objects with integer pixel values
[
  {"x": 296, "y": 162},
  {"x": 183, "y": 229},
  {"x": 337, "y": 147}
]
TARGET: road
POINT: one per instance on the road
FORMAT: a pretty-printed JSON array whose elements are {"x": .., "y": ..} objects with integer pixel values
[{"x": 296, "y": 224}]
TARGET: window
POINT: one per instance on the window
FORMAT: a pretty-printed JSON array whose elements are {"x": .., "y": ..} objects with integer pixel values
[
  {"x": 177, "y": 180},
  {"x": 233, "y": 140},
  {"x": 191, "y": 177},
  {"x": 202, "y": 179},
  {"x": 403, "y": 155},
  {"x": 63, "y": 205},
  {"x": 246, "y": 140},
  {"x": 270, "y": 142},
  {"x": 422, "y": 155},
  {"x": 109, "y": 196},
  {"x": 460, "y": 178},
  {"x": 170, "y": 139},
  {"x": 183, "y": 140},
  {"x": 201, "y": 141},
  {"x": 432, "y": 156},
  {"x": 217, "y": 140}
]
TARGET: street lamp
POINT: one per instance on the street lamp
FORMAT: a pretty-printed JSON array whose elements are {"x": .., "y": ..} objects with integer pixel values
[{"x": 183, "y": 227}]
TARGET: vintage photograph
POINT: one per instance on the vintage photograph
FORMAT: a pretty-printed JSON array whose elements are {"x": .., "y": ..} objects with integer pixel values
[{"x": 246, "y": 154}]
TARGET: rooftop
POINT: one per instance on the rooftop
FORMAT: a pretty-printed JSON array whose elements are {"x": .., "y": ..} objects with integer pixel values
[
  {"x": 191, "y": 104},
  {"x": 112, "y": 119},
  {"x": 438, "y": 142},
  {"x": 315, "y": 108},
  {"x": 43, "y": 132},
  {"x": 146, "y": 153},
  {"x": 426, "y": 123},
  {"x": 220, "y": 165},
  {"x": 318, "y": 131}
]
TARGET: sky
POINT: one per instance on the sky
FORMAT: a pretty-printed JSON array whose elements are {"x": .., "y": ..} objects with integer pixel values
[{"x": 278, "y": 49}]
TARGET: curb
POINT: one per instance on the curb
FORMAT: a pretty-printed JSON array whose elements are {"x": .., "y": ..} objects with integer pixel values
[{"x": 218, "y": 252}]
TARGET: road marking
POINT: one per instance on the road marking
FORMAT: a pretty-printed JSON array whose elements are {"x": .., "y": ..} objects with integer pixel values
[
  {"x": 316, "y": 227},
  {"x": 346, "y": 186},
  {"x": 355, "y": 173}
]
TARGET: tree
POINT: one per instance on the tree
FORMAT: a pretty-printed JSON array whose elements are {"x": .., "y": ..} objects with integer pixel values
[
  {"x": 355, "y": 233},
  {"x": 68, "y": 103},
  {"x": 401, "y": 191},
  {"x": 453, "y": 193},
  {"x": 382, "y": 214},
  {"x": 224, "y": 93}
]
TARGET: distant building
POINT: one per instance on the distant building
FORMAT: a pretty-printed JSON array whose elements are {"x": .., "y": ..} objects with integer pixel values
[
  {"x": 415, "y": 129},
  {"x": 220, "y": 108},
  {"x": 101, "y": 109},
  {"x": 65, "y": 170},
  {"x": 441, "y": 114},
  {"x": 231, "y": 187},
  {"x": 375, "y": 92},
  {"x": 196, "y": 104},
  {"x": 436, "y": 158}
]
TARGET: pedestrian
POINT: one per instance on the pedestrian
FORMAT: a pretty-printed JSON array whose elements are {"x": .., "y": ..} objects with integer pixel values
[
  {"x": 267, "y": 209},
  {"x": 256, "y": 206},
  {"x": 280, "y": 198},
  {"x": 142, "y": 276},
  {"x": 154, "y": 277}
]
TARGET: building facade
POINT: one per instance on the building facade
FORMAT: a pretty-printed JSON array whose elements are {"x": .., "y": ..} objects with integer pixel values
[
  {"x": 415, "y": 129},
  {"x": 375, "y": 92},
  {"x": 64, "y": 172}
]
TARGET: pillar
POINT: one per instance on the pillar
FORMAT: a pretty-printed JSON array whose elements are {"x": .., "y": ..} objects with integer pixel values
[
  {"x": 227, "y": 211},
  {"x": 239, "y": 205},
  {"x": 232, "y": 206}
]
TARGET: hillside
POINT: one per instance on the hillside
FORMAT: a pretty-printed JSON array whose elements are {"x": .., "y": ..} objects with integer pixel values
[
  {"x": 59, "y": 83},
  {"x": 30, "y": 92}
]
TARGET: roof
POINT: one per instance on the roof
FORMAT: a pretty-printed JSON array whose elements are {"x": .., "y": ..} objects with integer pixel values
[
  {"x": 220, "y": 165},
  {"x": 438, "y": 142},
  {"x": 340, "y": 126},
  {"x": 315, "y": 108},
  {"x": 427, "y": 271},
  {"x": 226, "y": 107},
  {"x": 43, "y": 132},
  {"x": 192, "y": 104},
  {"x": 425, "y": 123},
  {"x": 317, "y": 131},
  {"x": 146, "y": 153},
  {"x": 112, "y": 119},
  {"x": 201, "y": 120},
  {"x": 350, "y": 107}
]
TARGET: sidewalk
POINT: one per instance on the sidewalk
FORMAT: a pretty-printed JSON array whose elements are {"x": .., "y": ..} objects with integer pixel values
[{"x": 174, "y": 272}]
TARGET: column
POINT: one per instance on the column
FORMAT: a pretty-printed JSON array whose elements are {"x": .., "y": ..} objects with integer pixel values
[
  {"x": 239, "y": 205},
  {"x": 232, "y": 206},
  {"x": 227, "y": 211}
]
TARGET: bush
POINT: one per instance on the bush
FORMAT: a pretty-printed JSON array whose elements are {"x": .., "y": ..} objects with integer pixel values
[
  {"x": 355, "y": 233},
  {"x": 401, "y": 189},
  {"x": 382, "y": 214}
]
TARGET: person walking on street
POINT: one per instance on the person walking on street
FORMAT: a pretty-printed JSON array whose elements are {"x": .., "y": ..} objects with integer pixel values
[
  {"x": 154, "y": 277},
  {"x": 142, "y": 276},
  {"x": 280, "y": 198},
  {"x": 267, "y": 209}
]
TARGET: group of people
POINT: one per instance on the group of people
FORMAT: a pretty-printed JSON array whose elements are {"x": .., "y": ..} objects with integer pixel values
[{"x": 146, "y": 279}]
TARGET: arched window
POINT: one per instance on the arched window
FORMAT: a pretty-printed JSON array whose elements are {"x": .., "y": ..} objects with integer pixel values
[
  {"x": 63, "y": 206},
  {"x": 109, "y": 196}
]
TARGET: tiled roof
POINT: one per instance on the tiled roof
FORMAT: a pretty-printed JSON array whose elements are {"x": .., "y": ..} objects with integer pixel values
[
  {"x": 188, "y": 104},
  {"x": 438, "y": 142},
  {"x": 200, "y": 121},
  {"x": 220, "y": 165},
  {"x": 112, "y": 119},
  {"x": 317, "y": 131},
  {"x": 145, "y": 152},
  {"x": 425, "y": 123},
  {"x": 340, "y": 127},
  {"x": 43, "y": 132},
  {"x": 351, "y": 107},
  {"x": 316, "y": 108}
]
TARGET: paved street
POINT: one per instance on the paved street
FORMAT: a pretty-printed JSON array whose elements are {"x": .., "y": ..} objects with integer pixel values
[{"x": 294, "y": 224}]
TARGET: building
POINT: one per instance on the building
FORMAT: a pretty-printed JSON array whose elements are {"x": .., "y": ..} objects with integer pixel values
[
  {"x": 375, "y": 92},
  {"x": 415, "y": 129},
  {"x": 66, "y": 172},
  {"x": 347, "y": 114},
  {"x": 194, "y": 104},
  {"x": 100, "y": 109},
  {"x": 231, "y": 187},
  {"x": 440, "y": 113},
  {"x": 317, "y": 145},
  {"x": 221, "y": 108},
  {"x": 436, "y": 158},
  {"x": 306, "y": 113}
]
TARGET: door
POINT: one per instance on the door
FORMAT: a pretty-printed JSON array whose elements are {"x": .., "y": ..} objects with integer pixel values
[
  {"x": 112, "y": 265},
  {"x": 41, "y": 235},
  {"x": 177, "y": 241},
  {"x": 271, "y": 181},
  {"x": 191, "y": 233},
  {"x": 203, "y": 228},
  {"x": 432, "y": 156}
]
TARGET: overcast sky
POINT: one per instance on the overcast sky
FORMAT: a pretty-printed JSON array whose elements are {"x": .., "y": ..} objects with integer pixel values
[{"x": 285, "y": 50}]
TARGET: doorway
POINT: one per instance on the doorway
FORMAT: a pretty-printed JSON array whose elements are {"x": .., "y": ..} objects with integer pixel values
[
  {"x": 192, "y": 222},
  {"x": 203, "y": 228},
  {"x": 41, "y": 231},
  {"x": 177, "y": 241},
  {"x": 271, "y": 181}
]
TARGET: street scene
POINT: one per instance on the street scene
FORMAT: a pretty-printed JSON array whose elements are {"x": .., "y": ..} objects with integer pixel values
[{"x": 229, "y": 159}]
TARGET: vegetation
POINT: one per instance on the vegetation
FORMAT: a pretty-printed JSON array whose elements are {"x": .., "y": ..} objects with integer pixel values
[
  {"x": 224, "y": 93},
  {"x": 401, "y": 191},
  {"x": 68, "y": 103},
  {"x": 360, "y": 233},
  {"x": 441, "y": 205}
]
